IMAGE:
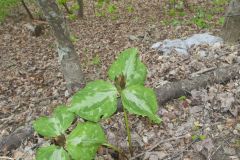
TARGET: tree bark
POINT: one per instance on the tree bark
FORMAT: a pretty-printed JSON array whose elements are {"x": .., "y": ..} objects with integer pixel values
[
  {"x": 80, "y": 10},
  {"x": 68, "y": 58},
  {"x": 231, "y": 29},
  {"x": 184, "y": 87}
]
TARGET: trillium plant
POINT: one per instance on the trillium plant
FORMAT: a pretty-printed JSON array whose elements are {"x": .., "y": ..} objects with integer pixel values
[{"x": 97, "y": 101}]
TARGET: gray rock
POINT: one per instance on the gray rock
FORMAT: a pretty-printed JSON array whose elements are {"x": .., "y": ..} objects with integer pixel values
[
  {"x": 133, "y": 38},
  {"x": 181, "y": 46}
]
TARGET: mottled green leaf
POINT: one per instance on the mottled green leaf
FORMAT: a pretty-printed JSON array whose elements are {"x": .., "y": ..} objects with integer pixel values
[
  {"x": 97, "y": 100},
  {"x": 84, "y": 141},
  {"x": 52, "y": 153},
  {"x": 142, "y": 101},
  {"x": 129, "y": 64},
  {"x": 55, "y": 125}
]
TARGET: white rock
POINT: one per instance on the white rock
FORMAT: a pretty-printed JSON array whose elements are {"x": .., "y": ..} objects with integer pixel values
[{"x": 181, "y": 46}]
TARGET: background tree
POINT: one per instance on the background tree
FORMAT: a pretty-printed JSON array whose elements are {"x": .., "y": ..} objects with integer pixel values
[
  {"x": 231, "y": 29},
  {"x": 80, "y": 10},
  {"x": 68, "y": 58}
]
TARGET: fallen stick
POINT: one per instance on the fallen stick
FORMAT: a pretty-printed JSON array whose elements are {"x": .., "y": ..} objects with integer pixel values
[
  {"x": 164, "y": 94},
  {"x": 174, "y": 90},
  {"x": 156, "y": 145},
  {"x": 15, "y": 139}
]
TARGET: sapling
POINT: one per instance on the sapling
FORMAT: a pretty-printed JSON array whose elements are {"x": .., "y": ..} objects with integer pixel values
[{"x": 97, "y": 101}]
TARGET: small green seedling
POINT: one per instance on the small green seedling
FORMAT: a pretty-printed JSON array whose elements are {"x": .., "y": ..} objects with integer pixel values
[
  {"x": 97, "y": 101},
  {"x": 61, "y": 2},
  {"x": 182, "y": 98},
  {"x": 73, "y": 38},
  {"x": 130, "y": 9},
  {"x": 198, "y": 137},
  {"x": 96, "y": 60},
  {"x": 221, "y": 21},
  {"x": 72, "y": 17},
  {"x": 75, "y": 7},
  {"x": 112, "y": 8}
]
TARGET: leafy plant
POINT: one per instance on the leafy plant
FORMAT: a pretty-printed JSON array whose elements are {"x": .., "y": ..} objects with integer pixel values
[
  {"x": 200, "y": 19},
  {"x": 96, "y": 60},
  {"x": 220, "y": 2},
  {"x": 198, "y": 137},
  {"x": 175, "y": 22},
  {"x": 181, "y": 14},
  {"x": 75, "y": 7},
  {"x": 105, "y": 7},
  {"x": 112, "y": 8},
  {"x": 100, "y": 3},
  {"x": 221, "y": 21},
  {"x": 130, "y": 8},
  {"x": 172, "y": 12},
  {"x": 73, "y": 38},
  {"x": 97, "y": 101},
  {"x": 62, "y": 2},
  {"x": 72, "y": 17},
  {"x": 182, "y": 98}
]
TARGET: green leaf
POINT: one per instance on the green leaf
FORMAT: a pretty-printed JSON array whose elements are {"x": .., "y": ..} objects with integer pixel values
[
  {"x": 62, "y": 2},
  {"x": 140, "y": 100},
  {"x": 55, "y": 125},
  {"x": 97, "y": 100},
  {"x": 202, "y": 137},
  {"x": 52, "y": 153},
  {"x": 112, "y": 8},
  {"x": 84, "y": 141},
  {"x": 129, "y": 64}
]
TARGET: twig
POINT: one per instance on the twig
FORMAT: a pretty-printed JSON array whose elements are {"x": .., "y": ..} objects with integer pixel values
[
  {"x": 156, "y": 145},
  {"x": 7, "y": 158},
  {"x": 209, "y": 158},
  {"x": 203, "y": 71},
  {"x": 181, "y": 151},
  {"x": 47, "y": 98},
  {"x": 225, "y": 141}
]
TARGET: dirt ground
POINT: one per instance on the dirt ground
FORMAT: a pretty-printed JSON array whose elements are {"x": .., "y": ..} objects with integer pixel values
[{"x": 205, "y": 125}]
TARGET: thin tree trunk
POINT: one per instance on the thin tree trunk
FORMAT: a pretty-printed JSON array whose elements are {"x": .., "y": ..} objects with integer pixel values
[
  {"x": 68, "y": 58},
  {"x": 26, "y": 8},
  {"x": 81, "y": 5},
  {"x": 231, "y": 31}
]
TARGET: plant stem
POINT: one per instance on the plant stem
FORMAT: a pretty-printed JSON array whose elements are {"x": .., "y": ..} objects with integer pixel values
[
  {"x": 116, "y": 149},
  {"x": 128, "y": 131}
]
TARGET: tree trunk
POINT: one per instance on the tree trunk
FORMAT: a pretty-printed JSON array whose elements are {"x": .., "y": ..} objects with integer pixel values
[
  {"x": 80, "y": 11},
  {"x": 231, "y": 29},
  {"x": 68, "y": 58}
]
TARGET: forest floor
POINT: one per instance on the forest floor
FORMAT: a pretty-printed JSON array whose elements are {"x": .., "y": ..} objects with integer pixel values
[{"x": 205, "y": 125}]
